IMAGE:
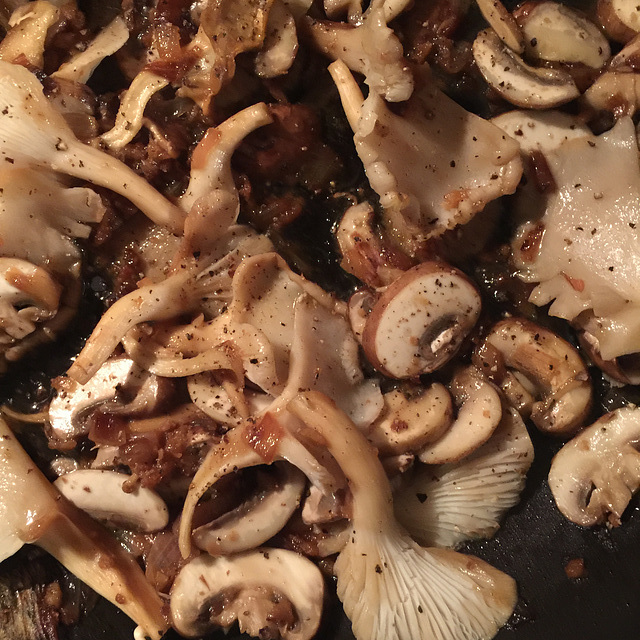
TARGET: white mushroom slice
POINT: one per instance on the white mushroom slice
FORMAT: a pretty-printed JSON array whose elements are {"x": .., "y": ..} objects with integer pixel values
[
  {"x": 260, "y": 517},
  {"x": 391, "y": 588},
  {"x": 517, "y": 82},
  {"x": 371, "y": 48},
  {"x": 434, "y": 167},
  {"x": 420, "y": 321},
  {"x": 594, "y": 476},
  {"x": 360, "y": 305},
  {"x": 32, "y": 511},
  {"x": 557, "y": 33},
  {"x": 280, "y": 43},
  {"x": 80, "y": 68},
  {"x": 34, "y": 135},
  {"x": 503, "y": 23},
  {"x": 324, "y": 356},
  {"x": 447, "y": 505},
  {"x": 411, "y": 418},
  {"x": 615, "y": 91},
  {"x": 619, "y": 18},
  {"x": 479, "y": 413},
  {"x": 101, "y": 495},
  {"x": 26, "y": 37},
  {"x": 552, "y": 367},
  {"x": 116, "y": 376},
  {"x": 253, "y": 586}
]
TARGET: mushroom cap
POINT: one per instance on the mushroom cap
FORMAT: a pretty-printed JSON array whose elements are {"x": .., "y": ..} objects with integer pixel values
[
  {"x": 420, "y": 321},
  {"x": 594, "y": 476}
]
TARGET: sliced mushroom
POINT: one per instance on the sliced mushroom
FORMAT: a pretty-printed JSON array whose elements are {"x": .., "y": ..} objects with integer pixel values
[
  {"x": 503, "y": 23},
  {"x": 411, "y": 418},
  {"x": 420, "y": 321},
  {"x": 619, "y": 18},
  {"x": 548, "y": 365},
  {"x": 557, "y": 33},
  {"x": 270, "y": 592},
  {"x": 594, "y": 476},
  {"x": 447, "y": 505},
  {"x": 360, "y": 305},
  {"x": 258, "y": 518},
  {"x": 615, "y": 91},
  {"x": 517, "y": 82},
  {"x": 479, "y": 413},
  {"x": 101, "y": 495}
]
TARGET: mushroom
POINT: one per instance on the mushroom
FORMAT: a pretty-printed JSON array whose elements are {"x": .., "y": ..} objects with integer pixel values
[
  {"x": 101, "y": 495},
  {"x": 557, "y": 33},
  {"x": 503, "y": 23},
  {"x": 33, "y": 134},
  {"x": 479, "y": 413},
  {"x": 270, "y": 592},
  {"x": 420, "y": 321},
  {"x": 594, "y": 476},
  {"x": 526, "y": 360},
  {"x": 516, "y": 81},
  {"x": 449, "y": 504},
  {"x": 32, "y": 511},
  {"x": 260, "y": 517},
  {"x": 412, "y": 417},
  {"x": 619, "y": 18},
  {"x": 280, "y": 42},
  {"x": 615, "y": 91},
  {"x": 391, "y": 588}
]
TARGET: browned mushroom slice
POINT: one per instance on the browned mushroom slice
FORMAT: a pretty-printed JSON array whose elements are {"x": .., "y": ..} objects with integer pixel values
[
  {"x": 619, "y": 18},
  {"x": 531, "y": 362},
  {"x": 503, "y": 23},
  {"x": 421, "y": 320}
]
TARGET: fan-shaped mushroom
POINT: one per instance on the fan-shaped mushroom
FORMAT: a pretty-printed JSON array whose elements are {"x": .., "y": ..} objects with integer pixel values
[
  {"x": 594, "y": 476},
  {"x": 533, "y": 363},
  {"x": 421, "y": 320},
  {"x": 268, "y": 591}
]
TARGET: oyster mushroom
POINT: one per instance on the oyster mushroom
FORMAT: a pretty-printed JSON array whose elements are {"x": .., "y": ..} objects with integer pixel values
[
  {"x": 516, "y": 81},
  {"x": 449, "y": 504},
  {"x": 100, "y": 494},
  {"x": 479, "y": 413},
  {"x": 32, "y": 511},
  {"x": 533, "y": 363},
  {"x": 420, "y": 321},
  {"x": 280, "y": 42},
  {"x": 594, "y": 476},
  {"x": 268, "y": 591},
  {"x": 391, "y": 588}
]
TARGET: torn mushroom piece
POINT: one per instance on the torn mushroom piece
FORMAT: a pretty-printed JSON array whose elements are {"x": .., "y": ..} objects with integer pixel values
[
  {"x": 101, "y": 494},
  {"x": 280, "y": 42},
  {"x": 258, "y": 518},
  {"x": 421, "y": 320},
  {"x": 479, "y": 411},
  {"x": 449, "y": 504},
  {"x": 541, "y": 374},
  {"x": 272, "y": 593},
  {"x": 391, "y": 588},
  {"x": 516, "y": 81},
  {"x": 594, "y": 476}
]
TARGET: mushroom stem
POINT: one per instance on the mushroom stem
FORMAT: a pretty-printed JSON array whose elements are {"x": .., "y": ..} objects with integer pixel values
[{"x": 350, "y": 93}]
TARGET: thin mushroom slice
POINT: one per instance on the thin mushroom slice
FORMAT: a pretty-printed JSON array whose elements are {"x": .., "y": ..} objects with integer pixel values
[
  {"x": 594, "y": 476},
  {"x": 446, "y": 505},
  {"x": 258, "y": 518},
  {"x": 268, "y": 591},
  {"x": 503, "y": 23},
  {"x": 391, "y": 588},
  {"x": 620, "y": 19},
  {"x": 32, "y": 511},
  {"x": 516, "y": 81},
  {"x": 479, "y": 413},
  {"x": 420, "y": 321},
  {"x": 100, "y": 493}
]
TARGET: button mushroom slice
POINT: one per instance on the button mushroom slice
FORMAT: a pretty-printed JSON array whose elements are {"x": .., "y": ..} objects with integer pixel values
[
  {"x": 32, "y": 511},
  {"x": 412, "y": 417},
  {"x": 479, "y": 413},
  {"x": 620, "y": 19},
  {"x": 360, "y": 305},
  {"x": 549, "y": 363},
  {"x": 558, "y": 33},
  {"x": 594, "y": 476},
  {"x": 260, "y": 517},
  {"x": 270, "y": 592},
  {"x": 503, "y": 23},
  {"x": 625, "y": 369},
  {"x": 517, "y": 82},
  {"x": 391, "y": 588},
  {"x": 615, "y": 91},
  {"x": 420, "y": 321},
  {"x": 100, "y": 494},
  {"x": 447, "y": 505}
]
